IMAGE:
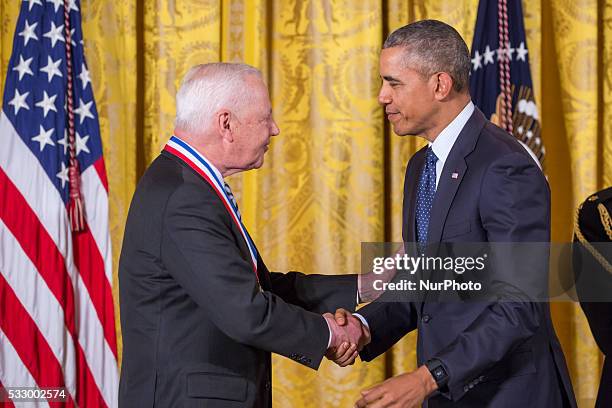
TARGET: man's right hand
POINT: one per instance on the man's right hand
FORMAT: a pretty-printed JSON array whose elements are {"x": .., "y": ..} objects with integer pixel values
[{"x": 349, "y": 336}]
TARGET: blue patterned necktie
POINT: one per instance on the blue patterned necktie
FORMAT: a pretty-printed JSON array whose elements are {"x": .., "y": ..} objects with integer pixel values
[
  {"x": 230, "y": 195},
  {"x": 425, "y": 195}
]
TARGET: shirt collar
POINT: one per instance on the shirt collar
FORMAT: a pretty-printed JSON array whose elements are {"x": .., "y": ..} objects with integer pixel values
[
  {"x": 443, "y": 144},
  {"x": 201, "y": 156}
]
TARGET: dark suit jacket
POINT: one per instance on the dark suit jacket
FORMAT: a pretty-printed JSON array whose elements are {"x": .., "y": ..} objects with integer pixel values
[
  {"x": 197, "y": 331},
  {"x": 594, "y": 282},
  {"x": 501, "y": 354}
]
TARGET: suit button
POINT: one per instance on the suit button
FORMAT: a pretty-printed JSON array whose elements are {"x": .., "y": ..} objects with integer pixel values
[
  {"x": 426, "y": 318},
  {"x": 466, "y": 388},
  {"x": 268, "y": 386},
  {"x": 481, "y": 378},
  {"x": 471, "y": 385}
]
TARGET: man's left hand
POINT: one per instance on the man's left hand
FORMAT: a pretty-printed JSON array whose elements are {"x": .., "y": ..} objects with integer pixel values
[{"x": 403, "y": 391}]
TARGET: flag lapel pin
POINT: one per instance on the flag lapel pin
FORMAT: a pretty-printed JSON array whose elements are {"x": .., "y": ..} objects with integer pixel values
[{"x": 455, "y": 176}]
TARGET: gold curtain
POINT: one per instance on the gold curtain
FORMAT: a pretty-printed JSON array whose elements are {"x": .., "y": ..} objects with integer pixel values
[{"x": 333, "y": 178}]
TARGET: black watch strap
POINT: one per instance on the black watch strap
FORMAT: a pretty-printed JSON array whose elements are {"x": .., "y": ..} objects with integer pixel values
[{"x": 438, "y": 371}]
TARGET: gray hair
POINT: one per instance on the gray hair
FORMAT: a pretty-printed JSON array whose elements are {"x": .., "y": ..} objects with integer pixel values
[
  {"x": 206, "y": 88},
  {"x": 433, "y": 46}
]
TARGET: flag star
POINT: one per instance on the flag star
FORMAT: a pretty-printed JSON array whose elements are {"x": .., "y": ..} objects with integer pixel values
[
  {"x": 44, "y": 138},
  {"x": 84, "y": 76},
  {"x": 56, "y": 4},
  {"x": 72, "y": 5},
  {"x": 28, "y": 32},
  {"x": 47, "y": 103},
  {"x": 81, "y": 144},
  {"x": 72, "y": 37},
  {"x": 19, "y": 101},
  {"x": 55, "y": 34},
  {"x": 63, "y": 174},
  {"x": 52, "y": 68},
  {"x": 476, "y": 61},
  {"x": 488, "y": 56},
  {"x": 84, "y": 110},
  {"x": 500, "y": 53},
  {"x": 32, "y": 3},
  {"x": 64, "y": 141},
  {"x": 509, "y": 51},
  {"x": 521, "y": 52},
  {"x": 24, "y": 67}
]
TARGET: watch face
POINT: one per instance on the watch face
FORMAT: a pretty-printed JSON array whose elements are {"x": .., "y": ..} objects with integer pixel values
[{"x": 439, "y": 373}]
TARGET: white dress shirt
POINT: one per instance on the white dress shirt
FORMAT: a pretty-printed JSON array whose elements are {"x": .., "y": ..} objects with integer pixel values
[{"x": 445, "y": 141}]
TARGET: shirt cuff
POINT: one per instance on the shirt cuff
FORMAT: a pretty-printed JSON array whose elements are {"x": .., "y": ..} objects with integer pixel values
[
  {"x": 330, "y": 334},
  {"x": 363, "y": 320}
]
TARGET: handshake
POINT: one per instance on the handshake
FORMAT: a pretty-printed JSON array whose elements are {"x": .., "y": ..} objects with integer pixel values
[{"x": 348, "y": 337}]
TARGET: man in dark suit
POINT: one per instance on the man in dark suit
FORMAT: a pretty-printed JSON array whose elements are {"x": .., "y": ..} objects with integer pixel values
[
  {"x": 472, "y": 183},
  {"x": 200, "y": 312},
  {"x": 592, "y": 262}
]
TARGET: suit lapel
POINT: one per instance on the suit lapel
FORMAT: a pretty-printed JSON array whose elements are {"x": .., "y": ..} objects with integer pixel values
[
  {"x": 263, "y": 274},
  {"x": 452, "y": 174},
  {"x": 450, "y": 179}
]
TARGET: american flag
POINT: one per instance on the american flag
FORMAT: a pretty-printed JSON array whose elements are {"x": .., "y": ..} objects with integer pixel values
[
  {"x": 57, "y": 324},
  {"x": 500, "y": 82}
]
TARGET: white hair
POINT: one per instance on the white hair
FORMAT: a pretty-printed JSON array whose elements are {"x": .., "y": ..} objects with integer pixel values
[{"x": 206, "y": 88}]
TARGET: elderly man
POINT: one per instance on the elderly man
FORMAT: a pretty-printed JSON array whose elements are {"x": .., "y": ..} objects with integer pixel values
[
  {"x": 472, "y": 183},
  {"x": 200, "y": 312}
]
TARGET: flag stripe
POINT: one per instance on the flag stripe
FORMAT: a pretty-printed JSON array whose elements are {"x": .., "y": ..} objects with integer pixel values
[
  {"x": 101, "y": 170},
  {"x": 34, "y": 185},
  {"x": 28, "y": 342},
  {"x": 100, "y": 358},
  {"x": 5, "y": 402},
  {"x": 38, "y": 301},
  {"x": 13, "y": 372},
  {"x": 88, "y": 393},
  {"x": 61, "y": 279},
  {"x": 96, "y": 213},
  {"x": 91, "y": 268},
  {"x": 91, "y": 333},
  {"x": 50, "y": 267},
  {"x": 24, "y": 225},
  {"x": 42, "y": 306}
]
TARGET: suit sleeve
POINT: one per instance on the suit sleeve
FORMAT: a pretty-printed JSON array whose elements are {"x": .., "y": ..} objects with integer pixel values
[
  {"x": 388, "y": 323},
  {"x": 514, "y": 207},
  {"x": 316, "y": 293},
  {"x": 200, "y": 252}
]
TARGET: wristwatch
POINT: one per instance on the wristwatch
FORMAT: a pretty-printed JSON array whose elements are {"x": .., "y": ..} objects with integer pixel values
[{"x": 438, "y": 371}]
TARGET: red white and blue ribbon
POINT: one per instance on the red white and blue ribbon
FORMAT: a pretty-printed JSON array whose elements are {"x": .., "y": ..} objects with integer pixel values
[{"x": 197, "y": 162}]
